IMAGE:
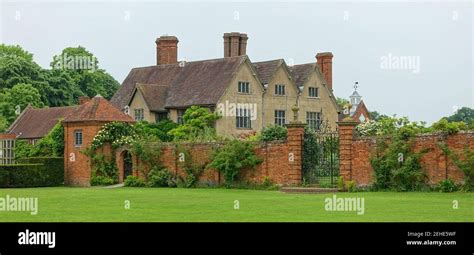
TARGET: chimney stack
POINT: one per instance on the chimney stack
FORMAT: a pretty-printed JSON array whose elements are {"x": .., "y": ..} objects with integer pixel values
[
  {"x": 235, "y": 44},
  {"x": 324, "y": 61},
  {"x": 166, "y": 50}
]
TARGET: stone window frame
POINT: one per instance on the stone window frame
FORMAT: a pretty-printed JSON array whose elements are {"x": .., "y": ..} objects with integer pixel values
[
  {"x": 314, "y": 119},
  {"x": 280, "y": 90},
  {"x": 280, "y": 117},
  {"x": 139, "y": 114},
  {"x": 243, "y": 87},
  {"x": 243, "y": 118},
  {"x": 315, "y": 90},
  {"x": 159, "y": 116},
  {"x": 180, "y": 116}
]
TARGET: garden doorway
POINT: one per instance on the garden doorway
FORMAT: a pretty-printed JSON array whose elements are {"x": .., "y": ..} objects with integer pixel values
[{"x": 127, "y": 164}]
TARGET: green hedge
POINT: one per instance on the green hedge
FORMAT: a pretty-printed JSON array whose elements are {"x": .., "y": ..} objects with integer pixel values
[{"x": 33, "y": 172}]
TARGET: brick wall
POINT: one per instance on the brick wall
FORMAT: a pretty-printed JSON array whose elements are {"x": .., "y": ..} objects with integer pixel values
[
  {"x": 77, "y": 169},
  {"x": 275, "y": 165},
  {"x": 355, "y": 154}
]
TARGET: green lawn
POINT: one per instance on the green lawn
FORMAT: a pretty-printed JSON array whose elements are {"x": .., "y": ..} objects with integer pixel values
[{"x": 166, "y": 204}]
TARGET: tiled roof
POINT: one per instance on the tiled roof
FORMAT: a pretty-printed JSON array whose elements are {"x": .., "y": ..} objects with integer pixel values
[
  {"x": 266, "y": 69},
  {"x": 301, "y": 72},
  {"x": 203, "y": 82},
  {"x": 36, "y": 123},
  {"x": 97, "y": 109},
  {"x": 154, "y": 95},
  {"x": 190, "y": 83}
]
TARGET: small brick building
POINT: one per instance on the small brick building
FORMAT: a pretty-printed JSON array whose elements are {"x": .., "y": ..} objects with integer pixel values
[{"x": 80, "y": 128}]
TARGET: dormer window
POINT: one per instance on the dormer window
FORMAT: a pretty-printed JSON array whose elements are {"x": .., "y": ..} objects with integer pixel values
[
  {"x": 280, "y": 90},
  {"x": 243, "y": 87}
]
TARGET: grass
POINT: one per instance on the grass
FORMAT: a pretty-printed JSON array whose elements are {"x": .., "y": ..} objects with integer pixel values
[{"x": 66, "y": 204}]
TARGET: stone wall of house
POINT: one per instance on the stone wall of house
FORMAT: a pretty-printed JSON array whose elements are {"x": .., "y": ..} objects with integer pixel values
[{"x": 357, "y": 152}]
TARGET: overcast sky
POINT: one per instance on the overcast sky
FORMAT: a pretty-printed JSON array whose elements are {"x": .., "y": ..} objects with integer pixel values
[{"x": 367, "y": 38}]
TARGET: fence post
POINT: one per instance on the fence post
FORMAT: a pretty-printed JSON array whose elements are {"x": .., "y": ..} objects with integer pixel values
[{"x": 346, "y": 136}]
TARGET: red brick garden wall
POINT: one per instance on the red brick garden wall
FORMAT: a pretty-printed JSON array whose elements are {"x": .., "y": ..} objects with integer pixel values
[
  {"x": 356, "y": 153},
  {"x": 275, "y": 163}
]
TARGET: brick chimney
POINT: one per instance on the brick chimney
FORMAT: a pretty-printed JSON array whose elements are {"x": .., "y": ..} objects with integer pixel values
[
  {"x": 324, "y": 61},
  {"x": 235, "y": 44},
  {"x": 83, "y": 100},
  {"x": 166, "y": 50}
]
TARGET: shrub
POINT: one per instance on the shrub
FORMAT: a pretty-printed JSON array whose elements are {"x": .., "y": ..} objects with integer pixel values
[
  {"x": 197, "y": 121},
  {"x": 133, "y": 181},
  {"x": 340, "y": 183},
  {"x": 351, "y": 186},
  {"x": 160, "y": 177},
  {"x": 267, "y": 182},
  {"x": 273, "y": 133},
  {"x": 233, "y": 157},
  {"x": 101, "y": 181},
  {"x": 396, "y": 166},
  {"x": 190, "y": 181},
  {"x": 33, "y": 172},
  {"x": 159, "y": 130},
  {"x": 449, "y": 128},
  {"x": 447, "y": 185},
  {"x": 466, "y": 165}
]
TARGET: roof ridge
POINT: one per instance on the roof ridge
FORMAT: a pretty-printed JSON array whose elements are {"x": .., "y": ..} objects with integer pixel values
[{"x": 189, "y": 62}]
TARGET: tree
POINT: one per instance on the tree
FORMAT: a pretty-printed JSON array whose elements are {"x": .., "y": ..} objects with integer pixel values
[
  {"x": 198, "y": 121},
  {"x": 14, "y": 50},
  {"x": 83, "y": 68},
  {"x": 341, "y": 102},
  {"x": 374, "y": 115},
  {"x": 465, "y": 114},
  {"x": 18, "y": 97}
]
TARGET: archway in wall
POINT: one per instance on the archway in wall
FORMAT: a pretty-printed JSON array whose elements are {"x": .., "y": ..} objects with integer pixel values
[
  {"x": 124, "y": 163},
  {"x": 127, "y": 164}
]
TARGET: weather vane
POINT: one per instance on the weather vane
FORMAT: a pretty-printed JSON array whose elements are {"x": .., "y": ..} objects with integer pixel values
[{"x": 356, "y": 85}]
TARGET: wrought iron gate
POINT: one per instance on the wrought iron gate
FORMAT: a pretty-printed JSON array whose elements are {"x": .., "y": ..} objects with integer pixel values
[{"x": 321, "y": 157}]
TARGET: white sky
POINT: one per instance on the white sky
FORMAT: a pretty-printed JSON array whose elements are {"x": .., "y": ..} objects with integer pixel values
[{"x": 360, "y": 34}]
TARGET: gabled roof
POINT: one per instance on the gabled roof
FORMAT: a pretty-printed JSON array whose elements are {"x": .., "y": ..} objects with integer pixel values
[
  {"x": 266, "y": 69},
  {"x": 97, "y": 109},
  {"x": 36, "y": 123},
  {"x": 355, "y": 94},
  {"x": 361, "y": 108},
  {"x": 154, "y": 96},
  {"x": 300, "y": 73},
  {"x": 189, "y": 83}
]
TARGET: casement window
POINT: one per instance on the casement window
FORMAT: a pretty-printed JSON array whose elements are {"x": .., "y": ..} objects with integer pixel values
[
  {"x": 180, "y": 119},
  {"x": 139, "y": 114},
  {"x": 313, "y": 92},
  {"x": 78, "y": 138},
  {"x": 7, "y": 155},
  {"x": 243, "y": 119},
  {"x": 280, "y": 89},
  {"x": 314, "y": 120},
  {"x": 280, "y": 117},
  {"x": 243, "y": 87},
  {"x": 160, "y": 116}
]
